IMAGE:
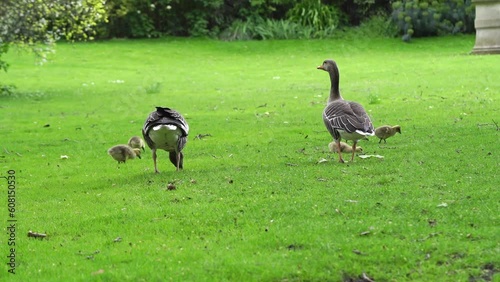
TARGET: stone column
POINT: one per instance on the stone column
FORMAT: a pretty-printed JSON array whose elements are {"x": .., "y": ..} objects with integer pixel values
[{"x": 487, "y": 26}]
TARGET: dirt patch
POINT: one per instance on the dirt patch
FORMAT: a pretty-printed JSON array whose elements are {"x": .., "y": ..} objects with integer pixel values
[{"x": 488, "y": 271}]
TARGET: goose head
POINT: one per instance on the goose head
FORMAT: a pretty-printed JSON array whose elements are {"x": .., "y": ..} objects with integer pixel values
[{"x": 329, "y": 66}]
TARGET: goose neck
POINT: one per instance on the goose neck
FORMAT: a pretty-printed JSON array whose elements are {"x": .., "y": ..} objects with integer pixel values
[{"x": 334, "y": 90}]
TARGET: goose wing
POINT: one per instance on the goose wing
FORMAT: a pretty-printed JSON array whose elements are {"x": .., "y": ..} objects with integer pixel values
[
  {"x": 165, "y": 116},
  {"x": 347, "y": 116},
  {"x": 365, "y": 124}
]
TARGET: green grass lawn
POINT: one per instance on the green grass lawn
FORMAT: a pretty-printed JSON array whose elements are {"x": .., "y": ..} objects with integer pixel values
[{"x": 254, "y": 202}]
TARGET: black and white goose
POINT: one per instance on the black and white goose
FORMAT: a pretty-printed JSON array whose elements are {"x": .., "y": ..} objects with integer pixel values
[
  {"x": 166, "y": 129},
  {"x": 344, "y": 119}
]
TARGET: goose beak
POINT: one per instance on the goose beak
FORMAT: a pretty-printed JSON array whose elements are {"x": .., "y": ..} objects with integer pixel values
[{"x": 320, "y": 68}]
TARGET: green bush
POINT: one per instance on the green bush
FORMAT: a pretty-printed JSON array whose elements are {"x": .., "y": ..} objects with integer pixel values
[
  {"x": 263, "y": 19},
  {"x": 312, "y": 13},
  {"x": 262, "y": 29},
  {"x": 416, "y": 18},
  {"x": 358, "y": 11},
  {"x": 376, "y": 26},
  {"x": 133, "y": 19}
]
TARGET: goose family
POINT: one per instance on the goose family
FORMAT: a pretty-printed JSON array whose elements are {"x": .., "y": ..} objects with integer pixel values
[
  {"x": 385, "y": 131},
  {"x": 122, "y": 153},
  {"x": 344, "y": 148},
  {"x": 344, "y": 119},
  {"x": 136, "y": 142},
  {"x": 166, "y": 129}
]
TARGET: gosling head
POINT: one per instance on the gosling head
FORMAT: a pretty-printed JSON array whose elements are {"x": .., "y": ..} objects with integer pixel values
[
  {"x": 136, "y": 142},
  {"x": 137, "y": 152}
]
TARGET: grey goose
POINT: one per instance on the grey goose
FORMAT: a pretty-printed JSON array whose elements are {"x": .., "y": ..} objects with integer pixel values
[
  {"x": 166, "y": 129},
  {"x": 344, "y": 119},
  {"x": 385, "y": 131},
  {"x": 122, "y": 153}
]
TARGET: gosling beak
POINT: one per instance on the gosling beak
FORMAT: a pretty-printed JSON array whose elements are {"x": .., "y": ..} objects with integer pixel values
[{"x": 320, "y": 68}]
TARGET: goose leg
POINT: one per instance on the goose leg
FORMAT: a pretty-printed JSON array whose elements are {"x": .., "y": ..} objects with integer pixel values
[
  {"x": 154, "y": 160},
  {"x": 353, "y": 150},
  {"x": 338, "y": 150},
  {"x": 178, "y": 160}
]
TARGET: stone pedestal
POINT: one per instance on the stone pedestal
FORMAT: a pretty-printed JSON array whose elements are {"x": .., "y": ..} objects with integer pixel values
[{"x": 487, "y": 26}]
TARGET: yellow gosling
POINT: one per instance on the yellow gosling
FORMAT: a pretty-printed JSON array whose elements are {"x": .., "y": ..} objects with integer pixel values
[
  {"x": 137, "y": 142},
  {"x": 122, "y": 153},
  {"x": 344, "y": 148},
  {"x": 386, "y": 131}
]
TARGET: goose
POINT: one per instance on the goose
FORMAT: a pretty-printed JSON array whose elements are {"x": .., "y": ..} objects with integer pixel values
[
  {"x": 166, "y": 129},
  {"x": 136, "y": 142},
  {"x": 344, "y": 119},
  {"x": 122, "y": 153},
  {"x": 344, "y": 148},
  {"x": 385, "y": 131}
]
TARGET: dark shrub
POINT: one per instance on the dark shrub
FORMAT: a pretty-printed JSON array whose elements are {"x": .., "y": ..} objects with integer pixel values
[{"x": 416, "y": 18}]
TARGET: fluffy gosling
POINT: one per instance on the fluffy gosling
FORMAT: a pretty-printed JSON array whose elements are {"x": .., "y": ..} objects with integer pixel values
[
  {"x": 344, "y": 148},
  {"x": 122, "y": 153},
  {"x": 137, "y": 142},
  {"x": 386, "y": 131}
]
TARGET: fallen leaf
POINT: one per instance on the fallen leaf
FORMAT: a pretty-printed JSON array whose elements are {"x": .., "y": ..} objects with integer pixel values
[
  {"x": 358, "y": 252},
  {"x": 371, "y": 156},
  {"x": 366, "y": 278},
  {"x": 323, "y": 160},
  {"x": 100, "y": 271}
]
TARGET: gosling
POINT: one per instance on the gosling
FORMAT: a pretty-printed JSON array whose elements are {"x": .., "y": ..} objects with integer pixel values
[
  {"x": 137, "y": 142},
  {"x": 344, "y": 148},
  {"x": 386, "y": 131},
  {"x": 122, "y": 153}
]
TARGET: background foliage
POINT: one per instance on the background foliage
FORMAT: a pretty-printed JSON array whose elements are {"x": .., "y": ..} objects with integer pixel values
[
  {"x": 37, "y": 24},
  {"x": 431, "y": 17},
  {"x": 243, "y": 19}
]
